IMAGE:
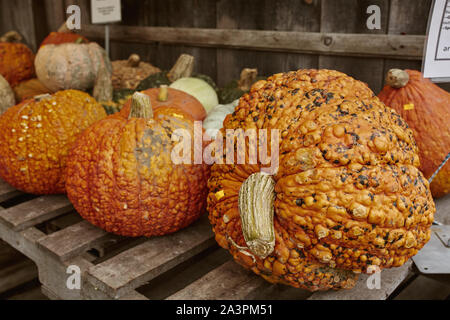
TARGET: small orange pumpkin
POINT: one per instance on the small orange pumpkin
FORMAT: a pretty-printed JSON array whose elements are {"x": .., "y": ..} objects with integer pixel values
[
  {"x": 164, "y": 96},
  {"x": 63, "y": 37},
  {"x": 120, "y": 174},
  {"x": 37, "y": 135}
]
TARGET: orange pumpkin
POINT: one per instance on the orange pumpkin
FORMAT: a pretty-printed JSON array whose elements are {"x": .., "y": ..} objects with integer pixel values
[
  {"x": 121, "y": 176},
  {"x": 29, "y": 88},
  {"x": 162, "y": 97},
  {"x": 37, "y": 135},
  {"x": 426, "y": 109},
  {"x": 16, "y": 59},
  {"x": 346, "y": 192},
  {"x": 63, "y": 37}
]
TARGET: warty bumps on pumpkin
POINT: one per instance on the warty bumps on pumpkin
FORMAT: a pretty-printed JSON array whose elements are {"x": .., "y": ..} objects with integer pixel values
[
  {"x": 347, "y": 193},
  {"x": 37, "y": 135},
  {"x": 121, "y": 177}
]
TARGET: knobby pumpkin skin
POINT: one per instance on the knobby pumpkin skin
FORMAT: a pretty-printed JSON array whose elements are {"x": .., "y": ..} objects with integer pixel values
[
  {"x": 37, "y": 136},
  {"x": 121, "y": 177},
  {"x": 348, "y": 191},
  {"x": 16, "y": 62},
  {"x": 426, "y": 109}
]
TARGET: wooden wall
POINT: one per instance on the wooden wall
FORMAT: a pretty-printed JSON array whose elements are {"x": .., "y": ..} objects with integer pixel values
[{"x": 35, "y": 18}]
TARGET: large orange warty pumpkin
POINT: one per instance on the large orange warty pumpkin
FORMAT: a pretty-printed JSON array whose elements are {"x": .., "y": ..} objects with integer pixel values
[
  {"x": 121, "y": 176},
  {"x": 426, "y": 109},
  {"x": 37, "y": 135},
  {"x": 347, "y": 193}
]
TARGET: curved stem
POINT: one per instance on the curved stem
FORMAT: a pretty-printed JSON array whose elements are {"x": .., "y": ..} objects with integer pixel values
[
  {"x": 134, "y": 60},
  {"x": 248, "y": 77},
  {"x": 182, "y": 68},
  {"x": 141, "y": 106},
  {"x": 11, "y": 36}
]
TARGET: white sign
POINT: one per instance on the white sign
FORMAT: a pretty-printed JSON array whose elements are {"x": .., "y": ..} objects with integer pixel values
[
  {"x": 436, "y": 63},
  {"x": 106, "y": 11}
]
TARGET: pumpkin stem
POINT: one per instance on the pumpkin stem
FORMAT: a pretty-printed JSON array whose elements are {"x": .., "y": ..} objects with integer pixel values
[
  {"x": 256, "y": 199},
  {"x": 103, "y": 88},
  {"x": 141, "y": 106},
  {"x": 63, "y": 28},
  {"x": 248, "y": 77},
  {"x": 11, "y": 36},
  {"x": 134, "y": 60},
  {"x": 397, "y": 78},
  {"x": 163, "y": 93},
  {"x": 182, "y": 68}
]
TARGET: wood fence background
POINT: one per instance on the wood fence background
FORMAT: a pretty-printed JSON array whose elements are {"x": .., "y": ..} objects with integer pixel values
[{"x": 34, "y": 19}]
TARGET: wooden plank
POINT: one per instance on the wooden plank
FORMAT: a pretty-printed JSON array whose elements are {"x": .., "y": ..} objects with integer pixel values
[
  {"x": 17, "y": 274},
  {"x": 424, "y": 288},
  {"x": 443, "y": 209},
  {"x": 132, "y": 268},
  {"x": 35, "y": 211},
  {"x": 367, "y": 45},
  {"x": 7, "y": 191},
  {"x": 74, "y": 240},
  {"x": 390, "y": 280}
]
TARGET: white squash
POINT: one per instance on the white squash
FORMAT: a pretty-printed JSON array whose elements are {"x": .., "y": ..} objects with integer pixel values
[
  {"x": 214, "y": 120},
  {"x": 198, "y": 88},
  {"x": 6, "y": 95}
]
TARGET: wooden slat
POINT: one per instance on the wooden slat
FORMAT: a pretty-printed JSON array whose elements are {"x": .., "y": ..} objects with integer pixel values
[
  {"x": 368, "y": 45},
  {"x": 132, "y": 268},
  {"x": 443, "y": 209},
  {"x": 7, "y": 191},
  {"x": 17, "y": 274},
  {"x": 390, "y": 280},
  {"x": 74, "y": 240},
  {"x": 424, "y": 288},
  {"x": 35, "y": 211}
]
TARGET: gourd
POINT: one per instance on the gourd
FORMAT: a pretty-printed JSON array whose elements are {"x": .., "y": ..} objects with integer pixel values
[
  {"x": 70, "y": 65},
  {"x": 29, "y": 88},
  {"x": 6, "y": 95},
  {"x": 425, "y": 107},
  {"x": 119, "y": 98},
  {"x": 121, "y": 177},
  {"x": 63, "y": 35},
  {"x": 16, "y": 59},
  {"x": 198, "y": 88},
  {"x": 235, "y": 89},
  {"x": 214, "y": 120},
  {"x": 341, "y": 192},
  {"x": 37, "y": 135},
  {"x": 164, "y": 96},
  {"x": 127, "y": 74}
]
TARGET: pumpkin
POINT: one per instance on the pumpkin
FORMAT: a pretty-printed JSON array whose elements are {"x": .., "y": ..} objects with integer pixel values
[
  {"x": 16, "y": 59},
  {"x": 29, "y": 88},
  {"x": 235, "y": 89},
  {"x": 63, "y": 35},
  {"x": 120, "y": 97},
  {"x": 214, "y": 120},
  {"x": 164, "y": 96},
  {"x": 198, "y": 88},
  {"x": 70, "y": 65},
  {"x": 127, "y": 74},
  {"x": 121, "y": 177},
  {"x": 426, "y": 109},
  {"x": 37, "y": 135},
  {"x": 6, "y": 95},
  {"x": 346, "y": 193}
]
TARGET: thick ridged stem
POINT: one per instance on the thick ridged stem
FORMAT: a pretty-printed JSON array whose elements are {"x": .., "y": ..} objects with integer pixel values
[
  {"x": 163, "y": 93},
  {"x": 248, "y": 77},
  {"x": 134, "y": 60},
  {"x": 256, "y": 209},
  {"x": 182, "y": 68},
  {"x": 141, "y": 106},
  {"x": 397, "y": 78}
]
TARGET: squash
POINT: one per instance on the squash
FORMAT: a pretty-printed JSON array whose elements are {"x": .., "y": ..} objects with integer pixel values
[
  {"x": 198, "y": 88},
  {"x": 235, "y": 89},
  {"x": 164, "y": 96},
  {"x": 426, "y": 109},
  {"x": 121, "y": 177},
  {"x": 120, "y": 97},
  {"x": 214, "y": 120},
  {"x": 63, "y": 35},
  {"x": 29, "y": 88},
  {"x": 342, "y": 190},
  {"x": 6, "y": 95},
  {"x": 16, "y": 59},
  {"x": 37, "y": 135},
  {"x": 70, "y": 65},
  {"x": 127, "y": 74}
]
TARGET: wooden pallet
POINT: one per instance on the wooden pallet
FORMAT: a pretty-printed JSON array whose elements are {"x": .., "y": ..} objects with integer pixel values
[{"x": 184, "y": 265}]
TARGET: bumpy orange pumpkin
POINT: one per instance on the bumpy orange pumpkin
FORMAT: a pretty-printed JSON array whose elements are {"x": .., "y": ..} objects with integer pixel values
[
  {"x": 121, "y": 176},
  {"x": 426, "y": 109},
  {"x": 37, "y": 135},
  {"x": 162, "y": 97},
  {"x": 16, "y": 59},
  {"x": 347, "y": 193}
]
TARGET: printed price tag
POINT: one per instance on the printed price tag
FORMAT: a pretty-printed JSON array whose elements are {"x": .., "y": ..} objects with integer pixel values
[
  {"x": 106, "y": 11},
  {"x": 436, "y": 63},
  {"x": 408, "y": 106}
]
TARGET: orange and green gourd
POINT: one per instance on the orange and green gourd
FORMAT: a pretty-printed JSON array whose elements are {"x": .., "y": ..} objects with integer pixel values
[
  {"x": 426, "y": 109},
  {"x": 347, "y": 193},
  {"x": 121, "y": 176},
  {"x": 37, "y": 135}
]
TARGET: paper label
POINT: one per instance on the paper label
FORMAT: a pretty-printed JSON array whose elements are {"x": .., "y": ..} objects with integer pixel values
[{"x": 106, "y": 11}]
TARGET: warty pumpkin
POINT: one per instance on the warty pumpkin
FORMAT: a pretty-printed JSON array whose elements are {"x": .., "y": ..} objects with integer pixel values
[
  {"x": 164, "y": 97},
  {"x": 426, "y": 109},
  {"x": 347, "y": 193},
  {"x": 127, "y": 74},
  {"x": 16, "y": 59},
  {"x": 37, "y": 135},
  {"x": 6, "y": 95},
  {"x": 121, "y": 176}
]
